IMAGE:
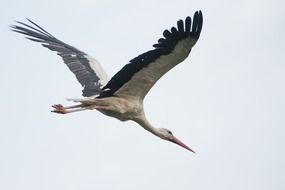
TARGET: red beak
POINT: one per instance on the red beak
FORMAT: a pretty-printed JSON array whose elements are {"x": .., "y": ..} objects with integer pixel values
[{"x": 180, "y": 143}]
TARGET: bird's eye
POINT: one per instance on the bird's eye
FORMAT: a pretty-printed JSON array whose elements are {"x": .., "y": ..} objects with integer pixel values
[{"x": 169, "y": 132}]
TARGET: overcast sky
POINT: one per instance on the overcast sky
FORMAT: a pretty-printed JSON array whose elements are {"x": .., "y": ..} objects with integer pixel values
[{"x": 226, "y": 101}]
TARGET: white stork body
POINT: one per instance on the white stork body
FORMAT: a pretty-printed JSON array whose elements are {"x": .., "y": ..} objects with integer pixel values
[{"x": 122, "y": 96}]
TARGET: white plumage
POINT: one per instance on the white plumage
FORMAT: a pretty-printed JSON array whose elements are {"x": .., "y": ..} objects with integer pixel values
[
  {"x": 122, "y": 96},
  {"x": 99, "y": 71}
]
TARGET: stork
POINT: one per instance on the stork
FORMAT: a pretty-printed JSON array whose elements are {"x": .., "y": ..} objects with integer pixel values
[{"x": 122, "y": 96}]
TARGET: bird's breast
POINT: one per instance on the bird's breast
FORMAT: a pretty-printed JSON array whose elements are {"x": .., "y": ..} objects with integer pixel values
[{"x": 123, "y": 109}]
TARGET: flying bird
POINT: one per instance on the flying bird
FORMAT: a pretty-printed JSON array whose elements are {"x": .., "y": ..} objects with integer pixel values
[{"x": 122, "y": 96}]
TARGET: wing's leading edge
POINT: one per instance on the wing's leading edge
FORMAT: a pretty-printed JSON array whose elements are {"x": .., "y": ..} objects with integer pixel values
[{"x": 137, "y": 77}]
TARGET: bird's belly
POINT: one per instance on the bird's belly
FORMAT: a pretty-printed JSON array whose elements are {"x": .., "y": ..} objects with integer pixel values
[
  {"x": 117, "y": 115},
  {"x": 121, "y": 108}
]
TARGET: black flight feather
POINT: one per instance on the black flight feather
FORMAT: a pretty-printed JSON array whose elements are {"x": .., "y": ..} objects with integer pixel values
[{"x": 163, "y": 47}]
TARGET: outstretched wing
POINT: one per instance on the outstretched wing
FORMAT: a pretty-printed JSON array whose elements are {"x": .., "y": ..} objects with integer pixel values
[
  {"x": 86, "y": 69},
  {"x": 138, "y": 77}
]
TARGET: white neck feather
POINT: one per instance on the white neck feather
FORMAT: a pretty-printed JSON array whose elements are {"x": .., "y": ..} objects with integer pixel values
[{"x": 142, "y": 121}]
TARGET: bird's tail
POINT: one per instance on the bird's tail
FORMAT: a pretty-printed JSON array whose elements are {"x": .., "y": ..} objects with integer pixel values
[{"x": 82, "y": 100}]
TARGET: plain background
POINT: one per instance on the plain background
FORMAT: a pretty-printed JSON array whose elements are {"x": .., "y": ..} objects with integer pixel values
[{"x": 226, "y": 101}]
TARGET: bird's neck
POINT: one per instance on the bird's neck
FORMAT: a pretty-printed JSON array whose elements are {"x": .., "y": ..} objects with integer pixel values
[{"x": 142, "y": 121}]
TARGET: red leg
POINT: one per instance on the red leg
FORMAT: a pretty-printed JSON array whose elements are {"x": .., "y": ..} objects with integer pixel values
[{"x": 60, "y": 109}]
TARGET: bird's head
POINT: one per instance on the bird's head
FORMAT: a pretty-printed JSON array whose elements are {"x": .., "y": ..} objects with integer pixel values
[{"x": 167, "y": 135}]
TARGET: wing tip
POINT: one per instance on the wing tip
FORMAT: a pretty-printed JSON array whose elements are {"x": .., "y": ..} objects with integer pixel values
[
  {"x": 190, "y": 27},
  {"x": 197, "y": 24}
]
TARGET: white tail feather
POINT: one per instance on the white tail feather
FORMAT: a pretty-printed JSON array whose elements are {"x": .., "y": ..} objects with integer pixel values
[{"x": 80, "y": 99}]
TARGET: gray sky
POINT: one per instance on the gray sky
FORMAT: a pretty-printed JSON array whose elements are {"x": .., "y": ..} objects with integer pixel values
[{"x": 226, "y": 101}]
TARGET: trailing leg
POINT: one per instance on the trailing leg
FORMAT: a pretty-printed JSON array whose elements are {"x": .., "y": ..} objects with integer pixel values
[{"x": 60, "y": 109}]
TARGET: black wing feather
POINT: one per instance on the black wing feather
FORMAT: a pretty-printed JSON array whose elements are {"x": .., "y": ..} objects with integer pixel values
[
  {"x": 188, "y": 25},
  {"x": 163, "y": 47},
  {"x": 72, "y": 57}
]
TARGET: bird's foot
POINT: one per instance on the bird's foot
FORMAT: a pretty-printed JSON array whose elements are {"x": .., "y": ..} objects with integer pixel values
[{"x": 58, "y": 108}]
